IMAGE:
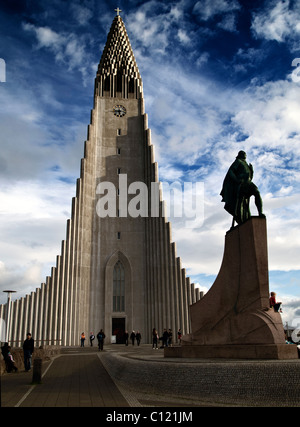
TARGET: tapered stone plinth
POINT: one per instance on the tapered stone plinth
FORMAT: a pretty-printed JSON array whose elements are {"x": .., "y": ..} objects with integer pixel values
[{"x": 234, "y": 320}]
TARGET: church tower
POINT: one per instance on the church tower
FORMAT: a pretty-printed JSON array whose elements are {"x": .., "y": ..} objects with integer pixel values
[{"x": 118, "y": 269}]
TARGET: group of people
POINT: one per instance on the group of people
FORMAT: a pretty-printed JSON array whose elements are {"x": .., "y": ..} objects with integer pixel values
[
  {"x": 100, "y": 338},
  {"x": 166, "y": 338},
  {"x": 133, "y": 336},
  {"x": 28, "y": 349}
]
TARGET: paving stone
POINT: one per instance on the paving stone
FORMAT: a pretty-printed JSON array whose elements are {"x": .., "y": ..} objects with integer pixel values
[{"x": 140, "y": 377}]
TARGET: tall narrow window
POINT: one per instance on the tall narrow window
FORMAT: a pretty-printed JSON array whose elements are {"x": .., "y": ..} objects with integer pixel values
[
  {"x": 119, "y": 288},
  {"x": 119, "y": 81},
  {"x": 107, "y": 83}
]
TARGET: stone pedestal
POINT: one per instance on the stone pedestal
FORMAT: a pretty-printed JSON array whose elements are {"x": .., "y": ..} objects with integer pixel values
[
  {"x": 37, "y": 371},
  {"x": 234, "y": 320}
]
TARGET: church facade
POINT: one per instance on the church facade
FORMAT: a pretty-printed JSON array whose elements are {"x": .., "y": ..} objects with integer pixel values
[{"x": 118, "y": 268}]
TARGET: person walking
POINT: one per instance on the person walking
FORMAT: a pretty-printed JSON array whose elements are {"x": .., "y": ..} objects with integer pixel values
[
  {"x": 92, "y": 337},
  {"x": 179, "y": 335},
  {"x": 126, "y": 336},
  {"x": 132, "y": 337},
  {"x": 170, "y": 338},
  {"x": 100, "y": 338},
  {"x": 138, "y": 337},
  {"x": 165, "y": 338},
  {"x": 154, "y": 338},
  {"x": 28, "y": 349}
]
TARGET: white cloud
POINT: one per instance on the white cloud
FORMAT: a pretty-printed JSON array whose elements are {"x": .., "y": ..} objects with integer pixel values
[
  {"x": 207, "y": 9},
  {"x": 81, "y": 14},
  {"x": 277, "y": 22},
  {"x": 228, "y": 23},
  {"x": 46, "y": 37},
  {"x": 155, "y": 32},
  {"x": 151, "y": 33},
  {"x": 68, "y": 48},
  {"x": 33, "y": 224},
  {"x": 202, "y": 59},
  {"x": 276, "y": 102},
  {"x": 183, "y": 37}
]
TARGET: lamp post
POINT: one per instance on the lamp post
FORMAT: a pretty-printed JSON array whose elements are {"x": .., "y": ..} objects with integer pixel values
[{"x": 9, "y": 292}]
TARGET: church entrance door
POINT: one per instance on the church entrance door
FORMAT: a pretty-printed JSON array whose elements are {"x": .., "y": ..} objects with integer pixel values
[{"x": 118, "y": 329}]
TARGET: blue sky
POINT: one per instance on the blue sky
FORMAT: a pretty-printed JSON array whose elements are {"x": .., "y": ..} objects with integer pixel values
[{"x": 217, "y": 76}]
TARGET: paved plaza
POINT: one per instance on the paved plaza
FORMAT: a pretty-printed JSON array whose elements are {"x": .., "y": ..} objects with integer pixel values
[{"x": 141, "y": 377}]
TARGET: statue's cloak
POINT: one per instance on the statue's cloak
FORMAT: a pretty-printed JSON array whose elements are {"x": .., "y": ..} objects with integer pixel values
[{"x": 238, "y": 172}]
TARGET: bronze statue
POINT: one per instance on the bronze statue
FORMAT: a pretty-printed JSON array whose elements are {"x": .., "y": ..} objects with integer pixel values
[{"x": 238, "y": 188}]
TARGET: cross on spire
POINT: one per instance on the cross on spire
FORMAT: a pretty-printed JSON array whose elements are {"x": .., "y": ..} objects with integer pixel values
[{"x": 118, "y": 11}]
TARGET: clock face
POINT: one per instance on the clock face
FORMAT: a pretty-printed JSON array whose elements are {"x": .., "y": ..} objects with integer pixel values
[{"x": 119, "y": 110}]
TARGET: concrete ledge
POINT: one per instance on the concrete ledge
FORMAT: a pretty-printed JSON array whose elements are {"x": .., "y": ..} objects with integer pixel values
[
  {"x": 268, "y": 351},
  {"x": 216, "y": 382},
  {"x": 44, "y": 353}
]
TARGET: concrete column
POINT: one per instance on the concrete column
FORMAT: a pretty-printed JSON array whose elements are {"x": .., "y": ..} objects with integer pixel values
[
  {"x": 65, "y": 292},
  {"x": 38, "y": 317},
  {"x": 12, "y": 322},
  {"x": 152, "y": 282},
  {"x": 180, "y": 294},
  {"x": 41, "y": 314},
  {"x": 60, "y": 291},
  {"x": 75, "y": 230},
  {"x": 15, "y": 322},
  {"x": 166, "y": 273},
  {"x": 35, "y": 316},
  {"x": 55, "y": 280},
  {"x": 189, "y": 301},
  {"x": 26, "y": 316},
  {"x": 185, "y": 302},
  {"x": 46, "y": 308},
  {"x": 50, "y": 307},
  {"x": 158, "y": 292},
  {"x": 162, "y": 275},
  {"x": 172, "y": 280},
  {"x": 69, "y": 277},
  {"x": 21, "y": 333},
  {"x": 177, "y": 323},
  {"x": 193, "y": 293}
]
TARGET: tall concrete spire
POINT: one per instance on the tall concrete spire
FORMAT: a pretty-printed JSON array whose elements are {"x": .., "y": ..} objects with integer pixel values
[{"x": 118, "y": 73}]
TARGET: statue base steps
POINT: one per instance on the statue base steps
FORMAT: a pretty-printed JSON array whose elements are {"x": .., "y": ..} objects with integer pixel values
[{"x": 235, "y": 351}]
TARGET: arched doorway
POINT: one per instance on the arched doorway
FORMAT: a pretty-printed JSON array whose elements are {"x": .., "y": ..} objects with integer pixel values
[
  {"x": 118, "y": 323},
  {"x": 118, "y": 296}
]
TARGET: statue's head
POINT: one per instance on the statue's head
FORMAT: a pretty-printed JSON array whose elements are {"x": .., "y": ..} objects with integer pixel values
[{"x": 241, "y": 155}]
